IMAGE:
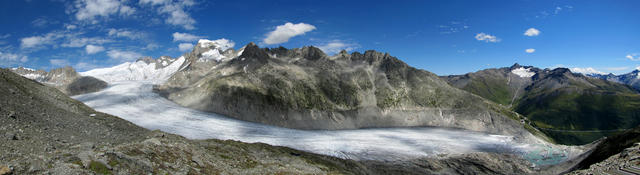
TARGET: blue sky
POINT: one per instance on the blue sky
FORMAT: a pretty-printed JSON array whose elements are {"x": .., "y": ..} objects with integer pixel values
[{"x": 444, "y": 37}]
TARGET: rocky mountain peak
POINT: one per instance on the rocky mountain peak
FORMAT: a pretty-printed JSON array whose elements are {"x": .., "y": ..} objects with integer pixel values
[
  {"x": 146, "y": 59},
  {"x": 312, "y": 53},
  {"x": 252, "y": 51},
  {"x": 515, "y": 66}
]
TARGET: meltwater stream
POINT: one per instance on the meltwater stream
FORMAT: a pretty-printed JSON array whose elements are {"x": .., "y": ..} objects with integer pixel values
[{"x": 135, "y": 102}]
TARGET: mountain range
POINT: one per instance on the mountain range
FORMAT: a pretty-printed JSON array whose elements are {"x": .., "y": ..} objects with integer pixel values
[
  {"x": 569, "y": 107},
  {"x": 306, "y": 89}
]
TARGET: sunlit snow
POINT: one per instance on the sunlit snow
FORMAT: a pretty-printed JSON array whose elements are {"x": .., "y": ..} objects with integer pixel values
[
  {"x": 522, "y": 72},
  {"x": 135, "y": 71}
]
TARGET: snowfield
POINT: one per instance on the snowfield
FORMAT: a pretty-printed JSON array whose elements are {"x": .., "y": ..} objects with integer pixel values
[{"x": 134, "y": 101}]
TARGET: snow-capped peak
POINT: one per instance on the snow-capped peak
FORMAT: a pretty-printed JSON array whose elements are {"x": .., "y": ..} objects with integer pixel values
[
  {"x": 138, "y": 70},
  {"x": 522, "y": 72},
  {"x": 221, "y": 44},
  {"x": 587, "y": 71}
]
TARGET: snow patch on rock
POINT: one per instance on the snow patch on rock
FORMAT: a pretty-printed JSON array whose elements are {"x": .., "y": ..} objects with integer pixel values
[
  {"x": 213, "y": 54},
  {"x": 221, "y": 44},
  {"x": 522, "y": 72}
]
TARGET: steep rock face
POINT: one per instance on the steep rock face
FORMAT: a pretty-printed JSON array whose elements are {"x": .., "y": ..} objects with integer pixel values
[
  {"x": 616, "y": 154},
  {"x": 304, "y": 88},
  {"x": 62, "y": 79},
  {"x": 569, "y": 107}
]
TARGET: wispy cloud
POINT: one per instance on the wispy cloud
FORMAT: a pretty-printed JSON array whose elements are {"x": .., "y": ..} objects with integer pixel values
[
  {"x": 186, "y": 37},
  {"x": 37, "y": 41},
  {"x": 92, "y": 49},
  {"x": 453, "y": 27},
  {"x": 336, "y": 46},
  {"x": 123, "y": 55},
  {"x": 487, "y": 38},
  {"x": 175, "y": 11},
  {"x": 59, "y": 62},
  {"x": 284, "y": 32},
  {"x": 183, "y": 47},
  {"x": 127, "y": 33},
  {"x": 633, "y": 57}
]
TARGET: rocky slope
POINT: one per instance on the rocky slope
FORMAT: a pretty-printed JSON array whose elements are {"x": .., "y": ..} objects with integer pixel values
[
  {"x": 65, "y": 79},
  {"x": 304, "y": 88},
  {"x": 569, "y": 107},
  {"x": 618, "y": 154},
  {"x": 46, "y": 132}
]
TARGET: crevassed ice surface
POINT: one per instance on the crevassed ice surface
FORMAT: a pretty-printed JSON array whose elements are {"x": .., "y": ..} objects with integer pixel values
[{"x": 134, "y": 101}]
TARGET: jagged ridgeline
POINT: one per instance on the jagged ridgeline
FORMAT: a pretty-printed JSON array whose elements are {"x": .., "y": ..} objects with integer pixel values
[
  {"x": 65, "y": 79},
  {"x": 571, "y": 108},
  {"x": 305, "y": 88}
]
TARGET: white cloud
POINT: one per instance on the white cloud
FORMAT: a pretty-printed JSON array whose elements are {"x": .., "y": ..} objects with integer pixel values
[
  {"x": 487, "y": 38},
  {"x": 70, "y": 26},
  {"x": 185, "y": 47},
  {"x": 151, "y": 46},
  {"x": 12, "y": 57},
  {"x": 587, "y": 70},
  {"x": 530, "y": 50},
  {"x": 175, "y": 11},
  {"x": 123, "y": 55},
  {"x": 286, "y": 31},
  {"x": 616, "y": 68},
  {"x": 81, "y": 42},
  {"x": 126, "y": 33},
  {"x": 88, "y": 10},
  {"x": 154, "y": 2},
  {"x": 35, "y": 41},
  {"x": 59, "y": 62},
  {"x": 177, "y": 36},
  {"x": 91, "y": 49},
  {"x": 633, "y": 57},
  {"x": 80, "y": 66},
  {"x": 43, "y": 22},
  {"x": 532, "y": 32},
  {"x": 336, "y": 46}
]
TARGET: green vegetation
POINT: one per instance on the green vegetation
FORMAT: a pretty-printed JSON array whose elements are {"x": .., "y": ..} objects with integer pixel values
[
  {"x": 490, "y": 88},
  {"x": 99, "y": 167},
  {"x": 587, "y": 111}
]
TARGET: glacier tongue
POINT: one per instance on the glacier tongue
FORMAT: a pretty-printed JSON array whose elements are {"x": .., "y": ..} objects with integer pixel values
[
  {"x": 138, "y": 70},
  {"x": 134, "y": 101}
]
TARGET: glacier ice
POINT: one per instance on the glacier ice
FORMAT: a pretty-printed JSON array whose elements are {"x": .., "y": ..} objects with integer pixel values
[{"x": 134, "y": 101}]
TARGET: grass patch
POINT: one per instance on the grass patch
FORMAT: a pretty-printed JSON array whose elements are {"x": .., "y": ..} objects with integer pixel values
[{"x": 99, "y": 168}]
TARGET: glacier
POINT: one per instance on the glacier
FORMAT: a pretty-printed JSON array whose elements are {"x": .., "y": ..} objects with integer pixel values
[{"x": 134, "y": 101}]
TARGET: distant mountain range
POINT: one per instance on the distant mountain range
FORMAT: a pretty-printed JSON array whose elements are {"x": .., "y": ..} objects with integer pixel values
[
  {"x": 571, "y": 108},
  {"x": 632, "y": 78}
]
